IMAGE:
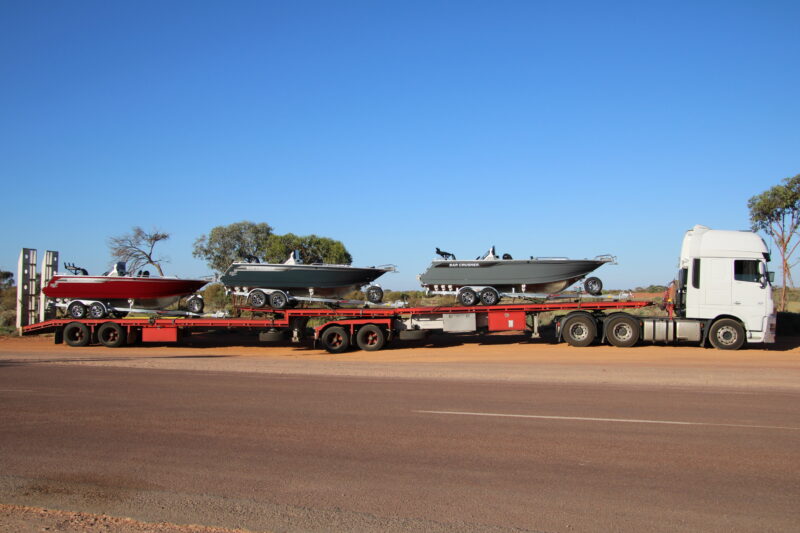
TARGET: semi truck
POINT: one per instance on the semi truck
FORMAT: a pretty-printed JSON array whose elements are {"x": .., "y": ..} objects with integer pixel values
[{"x": 722, "y": 295}]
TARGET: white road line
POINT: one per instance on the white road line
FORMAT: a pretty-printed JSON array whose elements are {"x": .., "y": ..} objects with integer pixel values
[{"x": 590, "y": 419}]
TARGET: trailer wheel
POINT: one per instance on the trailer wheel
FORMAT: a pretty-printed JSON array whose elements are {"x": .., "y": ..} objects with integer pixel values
[
  {"x": 489, "y": 296},
  {"x": 76, "y": 310},
  {"x": 76, "y": 334},
  {"x": 111, "y": 334},
  {"x": 593, "y": 286},
  {"x": 370, "y": 338},
  {"x": 623, "y": 331},
  {"x": 726, "y": 334},
  {"x": 580, "y": 331},
  {"x": 278, "y": 300},
  {"x": 97, "y": 311},
  {"x": 374, "y": 294},
  {"x": 257, "y": 299},
  {"x": 467, "y": 297},
  {"x": 335, "y": 339},
  {"x": 195, "y": 304}
]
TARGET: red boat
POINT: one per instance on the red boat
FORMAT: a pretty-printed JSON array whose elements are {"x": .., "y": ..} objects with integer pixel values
[{"x": 117, "y": 292}]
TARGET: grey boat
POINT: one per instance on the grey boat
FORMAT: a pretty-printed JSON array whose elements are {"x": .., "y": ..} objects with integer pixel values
[
  {"x": 277, "y": 284},
  {"x": 490, "y": 276}
]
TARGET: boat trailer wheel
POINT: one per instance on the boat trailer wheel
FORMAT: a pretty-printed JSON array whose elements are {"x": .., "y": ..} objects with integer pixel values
[
  {"x": 467, "y": 297},
  {"x": 97, "y": 310},
  {"x": 257, "y": 299},
  {"x": 593, "y": 286},
  {"x": 374, "y": 294},
  {"x": 489, "y": 296},
  {"x": 76, "y": 310},
  {"x": 278, "y": 300},
  {"x": 195, "y": 304}
]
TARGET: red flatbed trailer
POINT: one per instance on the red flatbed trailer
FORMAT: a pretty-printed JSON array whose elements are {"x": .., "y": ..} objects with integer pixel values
[{"x": 367, "y": 328}]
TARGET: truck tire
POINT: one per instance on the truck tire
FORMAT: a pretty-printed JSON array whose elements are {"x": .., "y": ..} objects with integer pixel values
[
  {"x": 623, "y": 331},
  {"x": 579, "y": 331},
  {"x": 335, "y": 339},
  {"x": 370, "y": 338},
  {"x": 111, "y": 335},
  {"x": 726, "y": 334},
  {"x": 76, "y": 334}
]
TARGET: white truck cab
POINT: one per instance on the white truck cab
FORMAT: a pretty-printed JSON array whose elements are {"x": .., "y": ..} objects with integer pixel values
[{"x": 723, "y": 275}]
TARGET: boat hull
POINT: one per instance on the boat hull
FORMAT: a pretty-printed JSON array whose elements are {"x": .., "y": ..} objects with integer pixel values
[
  {"x": 320, "y": 280},
  {"x": 145, "y": 293},
  {"x": 535, "y": 275}
]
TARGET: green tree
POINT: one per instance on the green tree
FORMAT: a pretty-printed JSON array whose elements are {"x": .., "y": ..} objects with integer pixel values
[
  {"x": 234, "y": 242},
  {"x": 6, "y": 279},
  {"x": 776, "y": 211},
  {"x": 136, "y": 248},
  {"x": 313, "y": 249}
]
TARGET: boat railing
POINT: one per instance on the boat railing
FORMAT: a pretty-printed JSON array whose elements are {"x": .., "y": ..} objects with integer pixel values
[{"x": 608, "y": 258}]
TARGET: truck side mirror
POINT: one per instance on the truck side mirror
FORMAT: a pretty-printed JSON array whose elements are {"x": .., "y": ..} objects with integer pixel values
[{"x": 771, "y": 277}]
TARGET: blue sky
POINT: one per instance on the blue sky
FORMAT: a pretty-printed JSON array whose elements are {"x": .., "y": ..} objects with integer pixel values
[{"x": 544, "y": 128}]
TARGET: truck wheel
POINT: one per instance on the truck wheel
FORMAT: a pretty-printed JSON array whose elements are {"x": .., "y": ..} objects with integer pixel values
[
  {"x": 76, "y": 310},
  {"x": 111, "y": 335},
  {"x": 97, "y": 311},
  {"x": 278, "y": 300},
  {"x": 335, "y": 339},
  {"x": 257, "y": 299},
  {"x": 489, "y": 296},
  {"x": 593, "y": 286},
  {"x": 467, "y": 297},
  {"x": 623, "y": 331},
  {"x": 580, "y": 331},
  {"x": 195, "y": 304},
  {"x": 76, "y": 334},
  {"x": 726, "y": 334},
  {"x": 374, "y": 294},
  {"x": 370, "y": 338}
]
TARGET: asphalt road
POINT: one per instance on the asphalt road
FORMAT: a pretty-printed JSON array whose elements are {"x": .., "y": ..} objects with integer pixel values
[{"x": 284, "y": 453}]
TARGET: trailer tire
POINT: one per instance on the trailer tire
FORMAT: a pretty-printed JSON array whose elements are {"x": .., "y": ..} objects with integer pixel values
[
  {"x": 467, "y": 297},
  {"x": 335, "y": 339},
  {"x": 257, "y": 299},
  {"x": 111, "y": 335},
  {"x": 726, "y": 334},
  {"x": 593, "y": 286},
  {"x": 278, "y": 300},
  {"x": 370, "y": 338},
  {"x": 195, "y": 304},
  {"x": 374, "y": 294},
  {"x": 97, "y": 311},
  {"x": 489, "y": 296},
  {"x": 76, "y": 334},
  {"x": 76, "y": 310},
  {"x": 580, "y": 331},
  {"x": 623, "y": 331}
]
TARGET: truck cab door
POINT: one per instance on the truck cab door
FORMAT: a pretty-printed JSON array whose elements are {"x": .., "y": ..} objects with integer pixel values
[{"x": 750, "y": 293}]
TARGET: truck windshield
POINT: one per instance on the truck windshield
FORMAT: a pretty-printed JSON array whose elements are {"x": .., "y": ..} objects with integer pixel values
[{"x": 746, "y": 270}]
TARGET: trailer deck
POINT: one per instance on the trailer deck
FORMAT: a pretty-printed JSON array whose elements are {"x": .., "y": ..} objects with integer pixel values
[{"x": 368, "y": 327}]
